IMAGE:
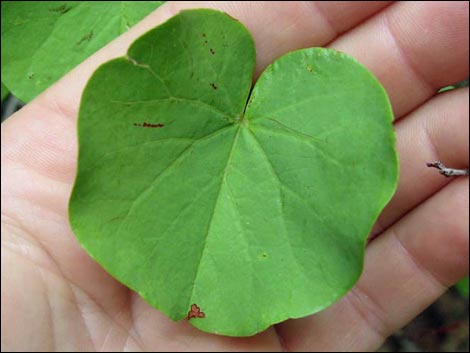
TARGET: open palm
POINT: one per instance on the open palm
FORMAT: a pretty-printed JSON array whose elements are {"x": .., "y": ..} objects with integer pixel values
[{"x": 55, "y": 297}]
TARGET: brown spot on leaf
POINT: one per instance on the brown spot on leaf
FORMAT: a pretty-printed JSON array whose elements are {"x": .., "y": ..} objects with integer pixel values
[
  {"x": 31, "y": 76},
  {"x": 212, "y": 51},
  {"x": 195, "y": 312},
  {"x": 214, "y": 86},
  {"x": 150, "y": 125},
  {"x": 86, "y": 37},
  {"x": 309, "y": 68},
  {"x": 61, "y": 9}
]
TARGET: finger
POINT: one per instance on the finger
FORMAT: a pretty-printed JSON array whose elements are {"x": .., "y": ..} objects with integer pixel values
[
  {"x": 438, "y": 130},
  {"x": 297, "y": 24},
  {"x": 282, "y": 26},
  {"x": 406, "y": 269},
  {"x": 414, "y": 48}
]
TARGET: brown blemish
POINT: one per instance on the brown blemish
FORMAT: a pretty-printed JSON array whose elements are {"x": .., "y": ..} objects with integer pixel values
[
  {"x": 115, "y": 219},
  {"x": 86, "y": 37},
  {"x": 61, "y": 9},
  {"x": 195, "y": 312},
  {"x": 213, "y": 85},
  {"x": 309, "y": 68},
  {"x": 212, "y": 51},
  {"x": 31, "y": 76},
  {"x": 145, "y": 124},
  {"x": 264, "y": 255}
]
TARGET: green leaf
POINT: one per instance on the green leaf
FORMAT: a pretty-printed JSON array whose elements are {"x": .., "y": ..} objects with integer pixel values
[
  {"x": 255, "y": 212},
  {"x": 43, "y": 40},
  {"x": 5, "y": 92},
  {"x": 446, "y": 88},
  {"x": 462, "y": 287},
  {"x": 460, "y": 84}
]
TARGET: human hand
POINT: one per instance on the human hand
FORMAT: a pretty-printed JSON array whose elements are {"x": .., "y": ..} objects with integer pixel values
[{"x": 55, "y": 297}]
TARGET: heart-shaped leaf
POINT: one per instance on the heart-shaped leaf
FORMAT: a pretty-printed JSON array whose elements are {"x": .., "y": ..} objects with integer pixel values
[
  {"x": 43, "y": 40},
  {"x": 234, "y": 215}
]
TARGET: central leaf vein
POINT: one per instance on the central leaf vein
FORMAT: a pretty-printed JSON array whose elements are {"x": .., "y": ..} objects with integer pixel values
[{"x": 223, "y": 179}]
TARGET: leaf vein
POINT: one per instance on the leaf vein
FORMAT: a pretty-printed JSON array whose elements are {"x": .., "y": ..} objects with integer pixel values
[
  {"x": 194, "y": 198},
  {"x": 140, "y": 145},
  {"x": 149, "y": 69},
  {"x": 224, "y": 175},
  {"x": 179, "y": 99},
  {"x": 310, "y": 140},
  {"x": 281, "y": 199},
  {"x": 158, "y": 177}
]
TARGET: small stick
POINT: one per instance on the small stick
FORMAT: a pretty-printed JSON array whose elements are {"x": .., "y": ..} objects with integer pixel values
[{"x": 448, "y": 172}]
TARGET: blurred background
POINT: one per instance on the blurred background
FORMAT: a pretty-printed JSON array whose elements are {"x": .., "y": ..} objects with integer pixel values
[{"x": 443, "y": 327}]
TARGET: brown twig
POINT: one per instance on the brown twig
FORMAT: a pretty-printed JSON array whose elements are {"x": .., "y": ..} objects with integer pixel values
[{"x": 448, "y": 172}]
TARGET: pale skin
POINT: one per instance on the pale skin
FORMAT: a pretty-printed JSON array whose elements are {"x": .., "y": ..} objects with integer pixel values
[{"x": 55, "y": 297}]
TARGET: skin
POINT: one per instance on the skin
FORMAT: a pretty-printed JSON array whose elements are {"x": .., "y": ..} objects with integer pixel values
[{"x": 55, "y": 297}]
